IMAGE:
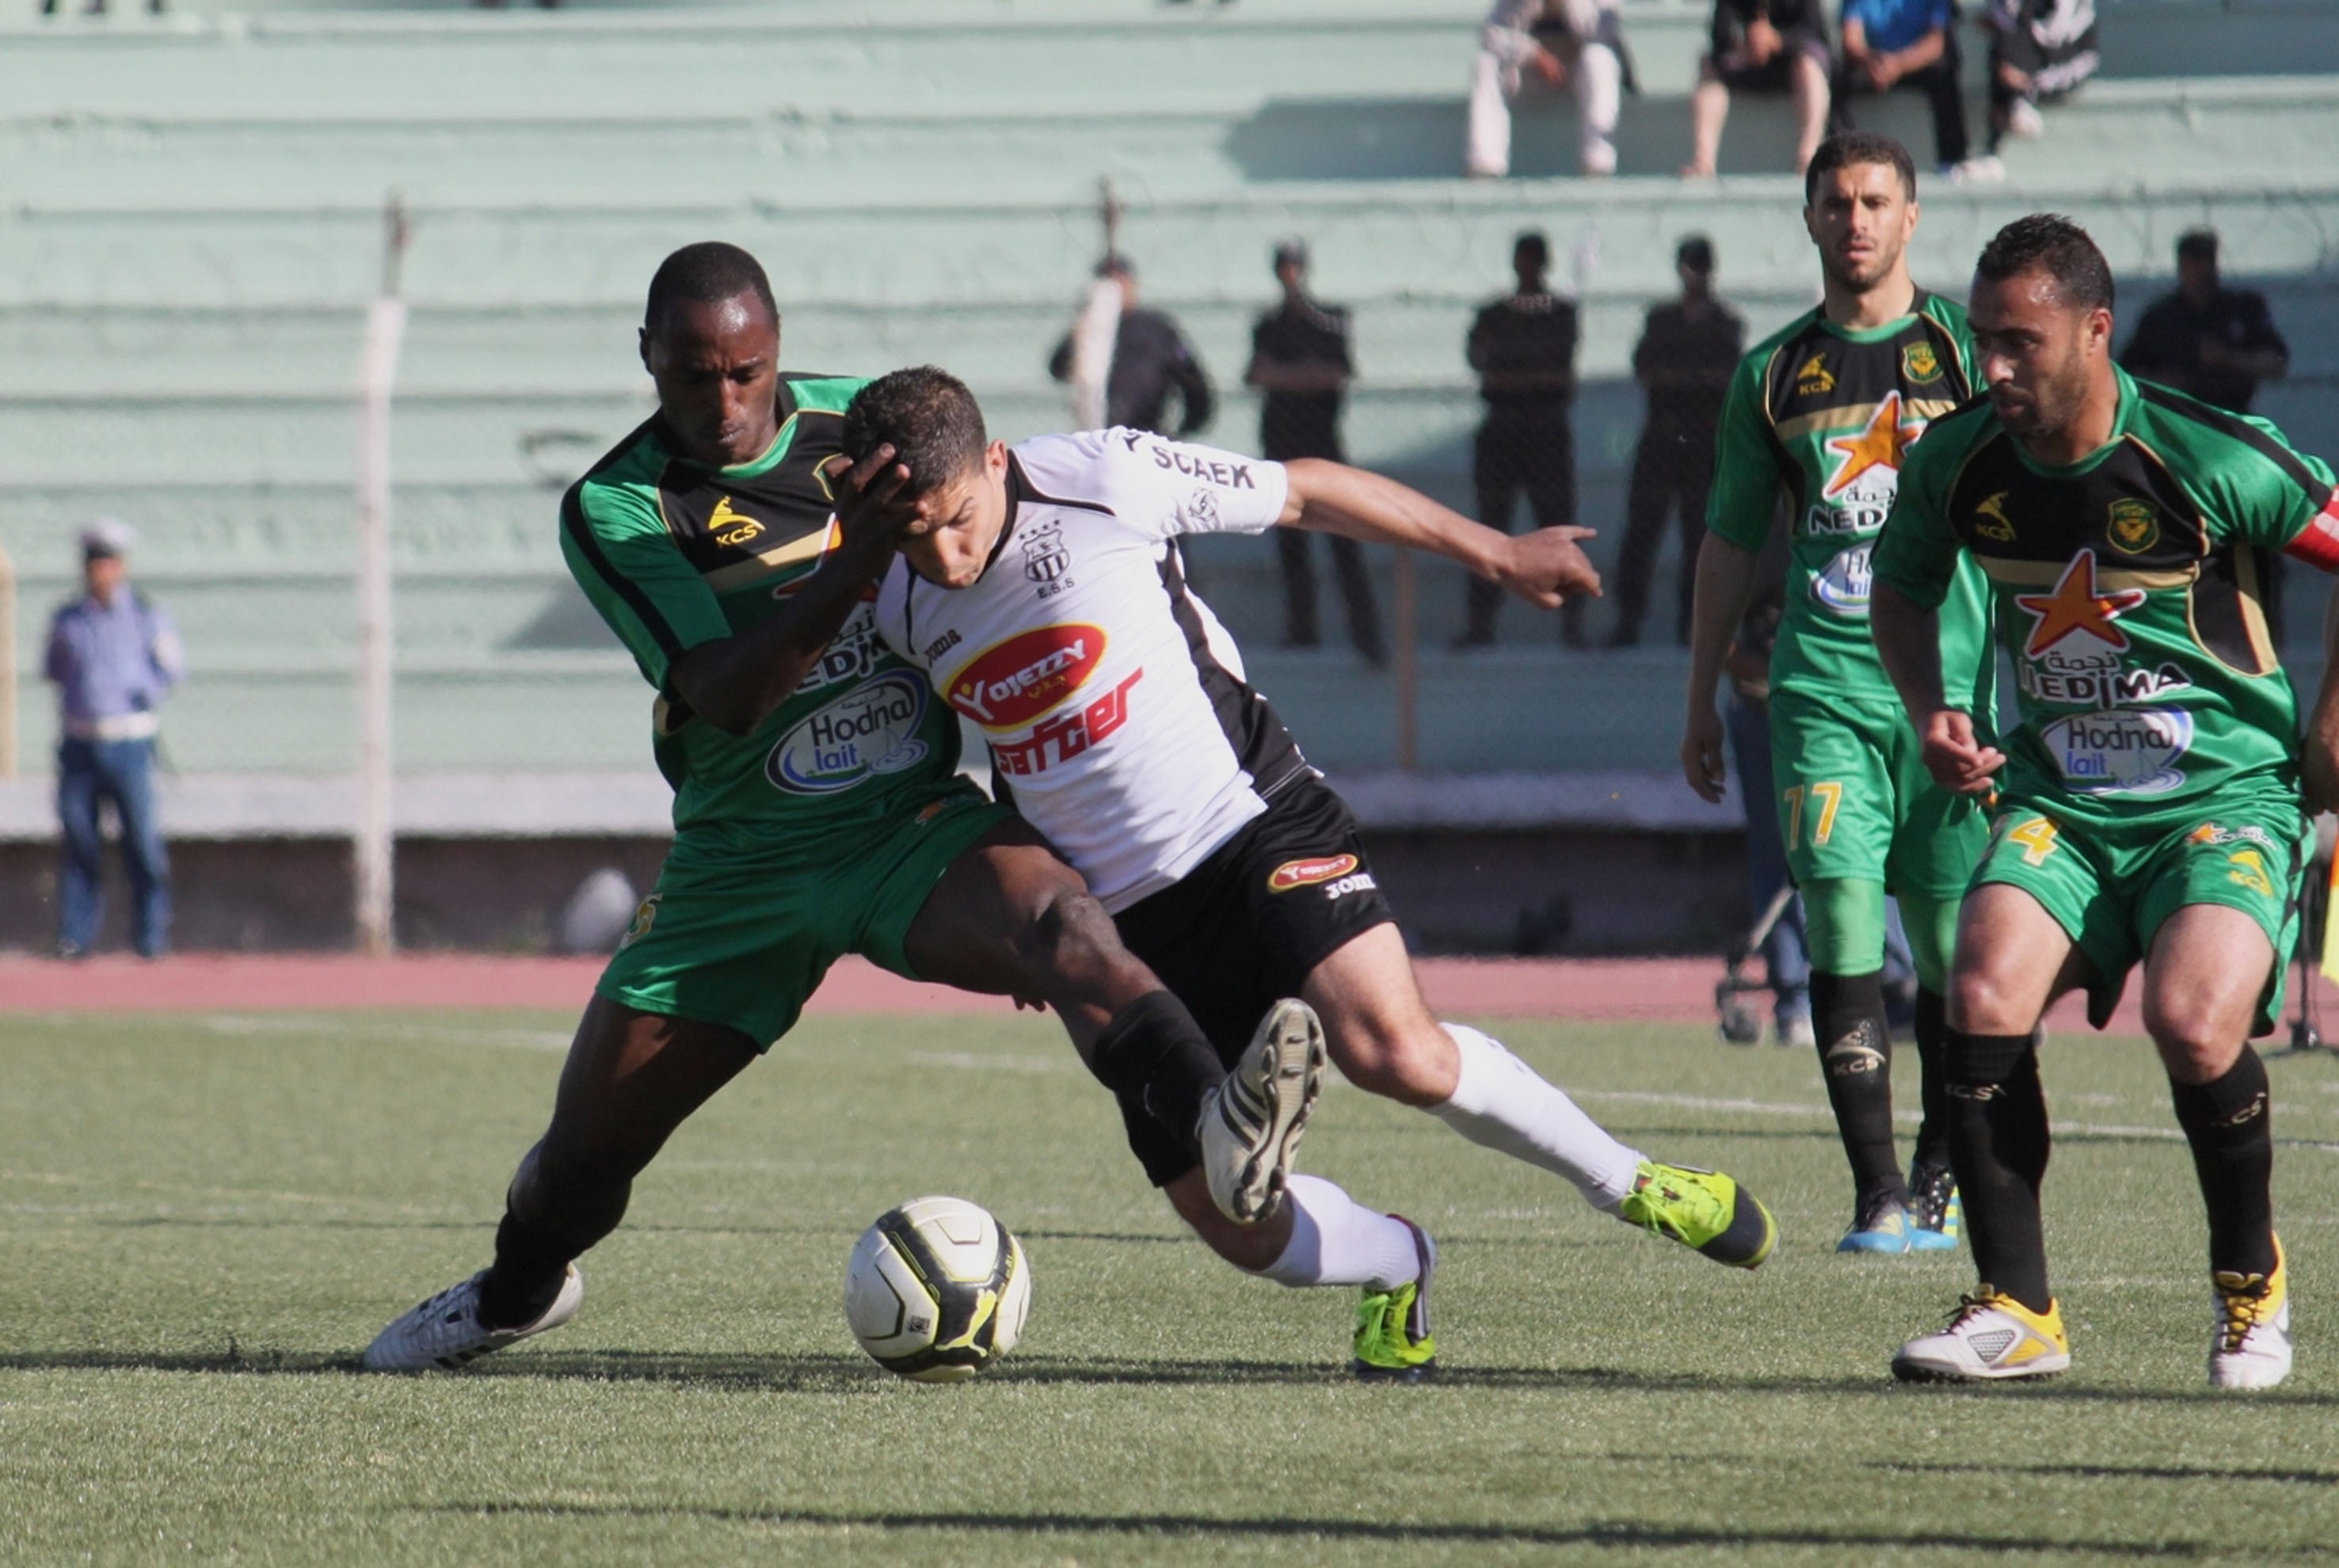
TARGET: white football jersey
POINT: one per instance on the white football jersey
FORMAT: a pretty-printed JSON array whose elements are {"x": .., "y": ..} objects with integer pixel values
[{"x": 1118, "y": 720}]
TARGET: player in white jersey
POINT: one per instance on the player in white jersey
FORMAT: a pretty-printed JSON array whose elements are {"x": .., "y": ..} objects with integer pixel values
[{"x": 1044, "y": 591}]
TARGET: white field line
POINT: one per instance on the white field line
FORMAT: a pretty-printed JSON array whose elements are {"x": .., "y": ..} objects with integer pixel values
[{"x": 1781, "y": 1108}]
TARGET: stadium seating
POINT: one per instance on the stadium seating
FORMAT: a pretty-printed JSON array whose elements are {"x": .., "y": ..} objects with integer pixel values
[{"x": 194, "y": 223}]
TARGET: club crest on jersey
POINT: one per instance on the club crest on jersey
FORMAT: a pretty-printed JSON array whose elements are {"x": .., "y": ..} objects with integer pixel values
[
  {"x": 1814, "y": 378},
  {"x": 1045, "y": 559},
  {"x": 1010, "y": 683},
  {"x": 1920, "y": 363},
  {"x": 1298, "y": 874},
  {"x": 1990, "y": 520},
  {"x": 870, "y": 730},
  {"x": 2133, "y": 525},
  {"x": 2077, "y": 606}
]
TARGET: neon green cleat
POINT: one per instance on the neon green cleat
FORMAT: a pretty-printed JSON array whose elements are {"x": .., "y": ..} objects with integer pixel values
[
  {"x": 1394, "y": 1344},
  {"x": 1703, "y": 1209}
]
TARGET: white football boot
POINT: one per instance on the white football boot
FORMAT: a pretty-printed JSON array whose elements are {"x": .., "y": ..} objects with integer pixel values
[
  {"x": 1992, "y": 1336},
  {"x": 1252, "y": 1121},
  {"x": 2251, "y": 1349},
  {"x": 445, "y": 1331}
]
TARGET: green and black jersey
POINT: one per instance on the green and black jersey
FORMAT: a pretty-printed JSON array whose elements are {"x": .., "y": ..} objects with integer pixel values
[
  {"x": 1822, "y": 414},
  {"x": 2127, "y": 590},
  {"x": 674, "y": 554}
]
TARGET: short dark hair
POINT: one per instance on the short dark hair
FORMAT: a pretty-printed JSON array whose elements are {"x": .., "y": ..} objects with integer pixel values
[
  {"x": 929, "y": 416},
  {"x": 706, "y": 272},
  {"x": 1531, "y": 239},
  {"x": 1696, "y": 253},
  {"x": 2051, "y": 243},
  {"x": 1852, "y": 147},
  {"x": 1113, "y": 265},
  {"x": 2197, "y": 245}
]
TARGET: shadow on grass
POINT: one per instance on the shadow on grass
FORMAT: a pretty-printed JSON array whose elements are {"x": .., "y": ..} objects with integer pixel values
[
  {"x": 1198, "y": 1527},
  {"x": 834, "y": 1374},
  {"x": 2114, "y": 1472}
]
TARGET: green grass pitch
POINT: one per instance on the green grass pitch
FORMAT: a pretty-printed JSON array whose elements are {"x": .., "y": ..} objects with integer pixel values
[{"x": 204, "y": 1219}]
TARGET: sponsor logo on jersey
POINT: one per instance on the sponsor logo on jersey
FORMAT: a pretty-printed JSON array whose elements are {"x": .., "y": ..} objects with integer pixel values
[
  {"x": 730, "y": 527},
  {"x": 2081, "y": 677},
  {"x": 1045, "y": 559},
  {"x": 1194, "y": 466},
  {"x": 2127, "y": 751},
  {"x": 1009, "y": 684},
  {"x": 1298, "y": 874},
  {"x": 2134, "y": 527},
  {"x": 855, "y": 651},
  {"x": 1362, "y": 881},
  {"x": 1199, "y": 512},
  {"x": 2077, "y": 606},
  {"x": 1067, "y": 735},
  {"x": 1876, "y": 447},
  {"x": 1814, "y": 378},
  {"x": 871, "y": 729},
  {"x": 2214, "y": 833},
  {"x": 1920, "y": 363},
  {"x": 942, "y": 645},
  {"x": 1842, "y": 587},
  {"x": 1991, "y": 521}
]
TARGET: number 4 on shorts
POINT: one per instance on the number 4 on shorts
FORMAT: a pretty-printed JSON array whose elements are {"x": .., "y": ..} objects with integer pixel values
[{"x": 2036, "y": 837}]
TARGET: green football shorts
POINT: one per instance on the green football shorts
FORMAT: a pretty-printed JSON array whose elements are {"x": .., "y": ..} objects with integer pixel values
[
  {"x": 1855, "y": 802},
  {"x": 2110, "y": 892},
  {"x": 743, "y": 938}
]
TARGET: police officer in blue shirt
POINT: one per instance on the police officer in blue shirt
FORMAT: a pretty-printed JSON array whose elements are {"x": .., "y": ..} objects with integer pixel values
[{"x": 113, "y": 656}]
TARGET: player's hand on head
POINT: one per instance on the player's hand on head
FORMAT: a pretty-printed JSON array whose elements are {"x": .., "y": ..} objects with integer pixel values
[
  {"x": 1701, "y": 753},
  {"x": 1547, "y": 568},
  {"x": 1957, "y": 760},
  {"x": 873, "y": 495}
]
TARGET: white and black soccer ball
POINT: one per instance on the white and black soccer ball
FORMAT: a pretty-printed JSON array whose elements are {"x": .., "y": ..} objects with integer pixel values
[{"x": 936, "y": 1289}]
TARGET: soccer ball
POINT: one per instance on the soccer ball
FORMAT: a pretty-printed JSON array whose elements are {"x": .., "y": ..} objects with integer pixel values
[{"x": 936, "y": 1290}]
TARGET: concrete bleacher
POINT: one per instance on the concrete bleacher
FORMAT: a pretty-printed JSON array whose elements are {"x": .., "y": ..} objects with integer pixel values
[{"x": 193, "y": 219}]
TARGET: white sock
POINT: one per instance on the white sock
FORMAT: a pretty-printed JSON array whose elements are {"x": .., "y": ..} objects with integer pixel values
[
  {"x": 1502, "y": 1103},
  {"x": 1336, "y": 1240}
]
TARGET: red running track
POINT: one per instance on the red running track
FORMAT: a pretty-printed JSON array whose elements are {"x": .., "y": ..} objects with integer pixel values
[{"x": 1669, "y": 991}]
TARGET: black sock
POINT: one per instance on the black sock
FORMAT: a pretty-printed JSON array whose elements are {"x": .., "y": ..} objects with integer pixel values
[
  {"x": 1154, "y": 1056},
  {"x": 1931, "y": 1028},
  {"x": 529, "y": 1266},
  {"x": 1856, "y": 1062},
  {"x": 1998, "y": 1148},
  {"x": 2229, "y": 1123}
]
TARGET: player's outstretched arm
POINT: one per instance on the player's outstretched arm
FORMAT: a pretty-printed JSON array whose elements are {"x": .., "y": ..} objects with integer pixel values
[
  {"x": 1724, "y": 583},
  {"x": 1908, "y": 642},
  {"x": 737, "y": 682},
  {"x": 1546, "y": 567}
]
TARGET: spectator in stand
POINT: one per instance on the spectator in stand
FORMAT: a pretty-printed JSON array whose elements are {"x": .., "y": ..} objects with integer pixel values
[
  {"x": 1558, "y": 44},
  {"x": 1300, "y": 362},
  {"x": 2216, "y": 344},
  {"x": 1889, "y": 44},
  {"x": 113, "y": 656},
  {"x": 2040, "y": 51},
  {"x": 2207, "y": 340},
  {"x": 1687, "y": 351},
  {"x": 1760, "y": 46},
  {"x": 1522, "y": 347},
  {"x": 1151, "y": 363}
]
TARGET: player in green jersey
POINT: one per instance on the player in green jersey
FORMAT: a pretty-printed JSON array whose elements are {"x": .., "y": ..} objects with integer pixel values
[
  {"x": 818, "y": 812},
  {"x": 2151, "y": 799},
  {"x": 1818, "y": 415}
]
